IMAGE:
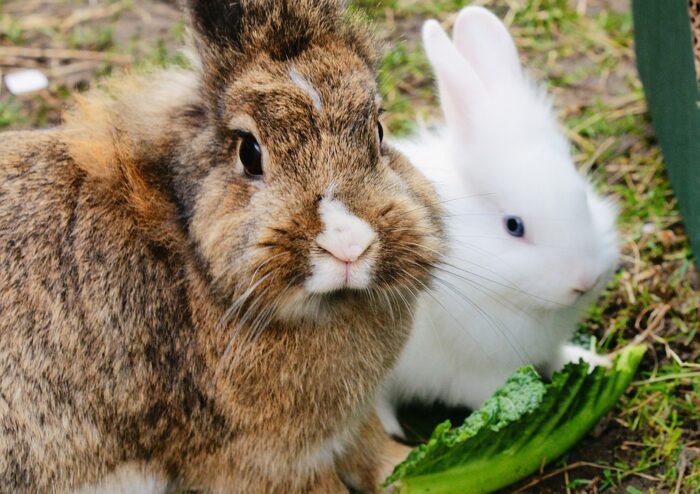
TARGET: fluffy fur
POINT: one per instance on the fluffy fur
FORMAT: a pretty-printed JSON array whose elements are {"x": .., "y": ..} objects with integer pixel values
[
  {"x": 499, "y": 302},
  {"x": 153, "y": 299}
]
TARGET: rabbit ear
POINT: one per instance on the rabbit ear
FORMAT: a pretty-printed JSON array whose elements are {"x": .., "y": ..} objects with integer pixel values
[
  {"x": 216, "y": 22},
  {"x": 461, "y": 91},
  {"x": 227, "y": 31},
  {"x": 218, "y": 28},
  {"x": 486, "y": 44}
]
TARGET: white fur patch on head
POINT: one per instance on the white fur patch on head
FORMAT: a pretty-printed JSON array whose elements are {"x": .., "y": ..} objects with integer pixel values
[
  {"x": 346, "y": 241},
  {"x": 307, "y": 87}
]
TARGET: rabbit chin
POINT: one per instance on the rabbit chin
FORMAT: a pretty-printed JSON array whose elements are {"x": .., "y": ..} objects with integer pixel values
[
  {"x": 563, "y": 301},
  {"x": 331, "y": 275},
  {"x": 331, "y": 281},
  {"x": 300, "y": 305}
]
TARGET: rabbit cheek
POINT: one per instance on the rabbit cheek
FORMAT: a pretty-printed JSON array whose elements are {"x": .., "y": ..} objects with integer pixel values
[{"x": 220, "y": 215}]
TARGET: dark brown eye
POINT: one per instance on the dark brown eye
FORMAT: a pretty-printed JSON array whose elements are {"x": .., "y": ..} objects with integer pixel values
[
  {"x": 251, "y": 155},
  {"x": 381, "y": 132}
]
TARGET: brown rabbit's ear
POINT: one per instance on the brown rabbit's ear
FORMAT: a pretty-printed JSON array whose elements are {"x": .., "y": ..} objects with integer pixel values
[
  {"x": 281, "y": 28},
  {"x": 218, "y": 31},
  {"x": 217, "y": 23},
  {"x": 230, "y": 33}
]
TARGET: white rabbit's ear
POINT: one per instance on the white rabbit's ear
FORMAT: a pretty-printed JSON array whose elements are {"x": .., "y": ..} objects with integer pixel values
[
  {"x": 461, "y": 91},
  {"x": 486, "y": 44}
]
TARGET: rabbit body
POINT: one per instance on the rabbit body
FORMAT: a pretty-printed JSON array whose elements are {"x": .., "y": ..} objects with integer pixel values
[
  {"x": 531, "y": 244},
  {"x": 196, "y": 269}
]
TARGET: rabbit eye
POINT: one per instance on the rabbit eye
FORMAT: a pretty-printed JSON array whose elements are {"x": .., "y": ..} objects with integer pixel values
[
  {"x": 515, "y": 226},
  {"x": 251, "y": 155},
  {"x": 381, "y": 132}
]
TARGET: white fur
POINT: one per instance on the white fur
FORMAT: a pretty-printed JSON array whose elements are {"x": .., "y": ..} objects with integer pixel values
[
  {"x": 502, "y": 302},
  {"x": 342, "y": 260},
  {"x": 129, "y": 479},
  {"x": 307, "y": 87},
  {"x": 333, "y": 448}
]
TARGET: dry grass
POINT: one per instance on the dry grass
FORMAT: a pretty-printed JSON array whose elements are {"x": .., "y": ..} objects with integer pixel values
[{"x": 584, "y": 49}]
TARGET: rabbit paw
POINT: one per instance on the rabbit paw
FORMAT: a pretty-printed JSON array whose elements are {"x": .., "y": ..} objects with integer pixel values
[
  {"x": 573, "y": 354},
  {"x": 390, "y": 422}
]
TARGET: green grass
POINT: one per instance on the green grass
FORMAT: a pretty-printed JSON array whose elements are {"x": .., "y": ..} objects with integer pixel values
[
  {"x": 10, "y": 113},
  {"x": 651, "y": 442}
]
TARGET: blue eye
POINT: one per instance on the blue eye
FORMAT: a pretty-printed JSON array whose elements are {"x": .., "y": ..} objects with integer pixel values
[{"x": 515, "y": 226}]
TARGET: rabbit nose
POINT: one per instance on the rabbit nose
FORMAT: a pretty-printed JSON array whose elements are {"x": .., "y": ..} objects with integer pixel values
[
  {"x": 347, "y": 243},
  {"x": 585, "y": 285},
  {"x": 346, "y": 237},
  {"x": 346, "y": 253}
]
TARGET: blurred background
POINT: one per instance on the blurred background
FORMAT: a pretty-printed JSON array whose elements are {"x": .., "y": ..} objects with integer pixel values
[{"x": 584, "y": 51}]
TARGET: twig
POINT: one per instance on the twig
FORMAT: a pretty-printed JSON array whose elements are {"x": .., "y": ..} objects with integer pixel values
[
  {"x": 581, "y": 7},
  {"x": 630, "y": 411},
  {"x": 73, "y": 68},
  {"x": 654, "y": 323},
  {"x": 19, "y": 63},
  {"x": 607, "y": 144},
  {"x": 669, "y": 377},
  {"x": 63, "y": 54},
  {"x": 26, "y": 5},
  {"x": 580, "y": 464},
  {"x": 681, "y": 472},
  {"x": 93, "y": 14}
]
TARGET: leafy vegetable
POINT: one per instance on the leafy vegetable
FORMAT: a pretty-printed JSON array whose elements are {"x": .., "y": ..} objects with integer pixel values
[{"x": 524, "y": 426}]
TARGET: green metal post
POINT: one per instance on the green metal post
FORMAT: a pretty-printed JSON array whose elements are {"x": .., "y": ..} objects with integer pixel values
[{"x": 666, "y": 65}]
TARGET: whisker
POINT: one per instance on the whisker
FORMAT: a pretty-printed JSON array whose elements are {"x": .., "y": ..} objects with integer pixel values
[
  {"x": 238, "y": 304},
  {"x": 496, "y": 324},
  {"x": 234, "y": 311},
  {"x": 257, "y": 327},
  {"x": 427, "y": 291},
  {"x": 508, "y": 285},
  {"x": 446, "y": 201},
  {"x": 265, "y": 263},
  {"x": 391, "y": 308},
  {"x": 490, "y": 293}
]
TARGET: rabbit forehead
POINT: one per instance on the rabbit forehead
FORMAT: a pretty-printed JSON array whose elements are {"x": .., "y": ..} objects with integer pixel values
[
  {"x": 332, "y": 89},
  {"x": 530, "y": 180},
  {"x": 306, "y": 86},
  {"x": 517, "y": 150}
]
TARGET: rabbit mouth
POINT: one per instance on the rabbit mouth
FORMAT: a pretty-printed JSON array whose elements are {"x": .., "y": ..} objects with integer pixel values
[
  {"x": 302, "y": 305},
  {"x": 331, "y": 274},
  {"x": 343, "y": 255}
]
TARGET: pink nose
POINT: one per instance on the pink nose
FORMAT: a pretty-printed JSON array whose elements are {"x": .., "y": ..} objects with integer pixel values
[
  {"x": 585, "y": 285},
  {"x": 346, "y": 253}
]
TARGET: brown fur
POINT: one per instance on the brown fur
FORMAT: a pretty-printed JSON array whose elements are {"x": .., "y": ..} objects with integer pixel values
[{"x": 152, "y": 300}]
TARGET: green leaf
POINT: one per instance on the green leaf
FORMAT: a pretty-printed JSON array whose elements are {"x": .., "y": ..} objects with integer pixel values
[{"x": 525, "y": 425}]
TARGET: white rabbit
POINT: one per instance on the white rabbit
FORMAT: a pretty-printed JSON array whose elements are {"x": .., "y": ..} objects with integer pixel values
[{"x": 531, "y": 243}]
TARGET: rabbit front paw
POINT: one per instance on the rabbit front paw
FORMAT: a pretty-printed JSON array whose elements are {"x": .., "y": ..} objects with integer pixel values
[{"x": 571, "y": 353}]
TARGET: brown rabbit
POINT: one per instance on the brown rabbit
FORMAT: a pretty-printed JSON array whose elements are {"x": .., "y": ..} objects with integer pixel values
[{"x": 206, "y": 274}]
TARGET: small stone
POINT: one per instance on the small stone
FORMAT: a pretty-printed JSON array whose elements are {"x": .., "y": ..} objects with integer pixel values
[
  {"x": 648, "y": 228},
  {"x": 26, "y": 81}
]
